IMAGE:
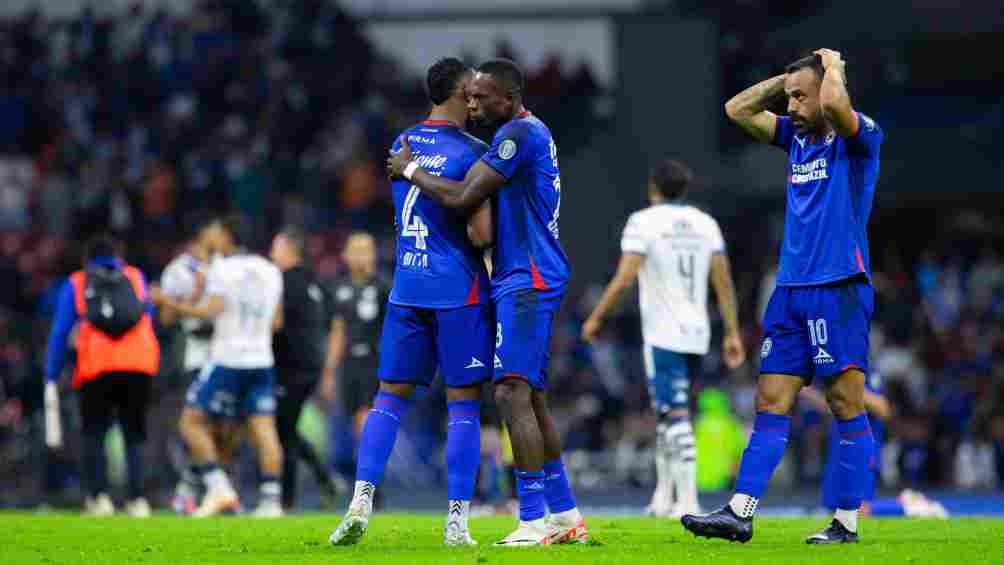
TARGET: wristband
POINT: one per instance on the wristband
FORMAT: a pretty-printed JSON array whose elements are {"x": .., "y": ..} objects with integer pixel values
[{"x": 410, "y": 169}]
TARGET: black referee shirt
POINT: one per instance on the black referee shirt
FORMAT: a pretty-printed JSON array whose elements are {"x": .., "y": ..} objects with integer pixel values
[
  {"x": 362, "y": 307},
  {"x": 300, "y": 344}
]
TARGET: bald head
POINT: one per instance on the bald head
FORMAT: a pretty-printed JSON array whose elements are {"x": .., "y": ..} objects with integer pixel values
[{"x": 360, "y": 255}]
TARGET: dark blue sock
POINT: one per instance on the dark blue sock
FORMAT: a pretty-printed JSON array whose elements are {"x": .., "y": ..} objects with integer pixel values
[
  {"x": 94, "y": 464},
  {"x": 530, "y": 490},
  {"x": 763, "y": 453},
  {"x": 135, "y": 469},
  {"x": 379, "y": 435},
  {"x": 559, "y": 492},
  {"x": 857, "y": 447},
  {"x": 463, "y": 448}
]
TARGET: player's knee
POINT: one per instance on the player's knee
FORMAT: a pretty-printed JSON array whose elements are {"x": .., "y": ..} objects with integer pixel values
[
  {"x": 512, "y": 395},
  {"x": 191, "y": 422},
  {"x": 773, "y": 401},
  {"x": 845, "y": 404},
  {"x": 454, "y": 394}
]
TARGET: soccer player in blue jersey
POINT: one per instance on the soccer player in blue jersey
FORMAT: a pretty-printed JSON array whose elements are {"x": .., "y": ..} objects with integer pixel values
[
  {"x": 439, "y": 314},
  {"x": 816, "y": 324},
  {"x": 519, "y": 173}
]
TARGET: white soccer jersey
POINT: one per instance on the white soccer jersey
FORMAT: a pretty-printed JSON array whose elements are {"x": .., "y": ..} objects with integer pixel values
[
  {"x": 252, "y": 288},
  {"x": 179, "y": 282},
  {"x": 678, "y": 241}
]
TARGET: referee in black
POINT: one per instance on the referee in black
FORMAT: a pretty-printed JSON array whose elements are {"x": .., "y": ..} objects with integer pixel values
[{"x": 299, "y": 357}]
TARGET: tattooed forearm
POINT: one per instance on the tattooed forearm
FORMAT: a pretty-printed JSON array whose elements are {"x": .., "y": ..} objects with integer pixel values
[{"x": 748, "y": 108}]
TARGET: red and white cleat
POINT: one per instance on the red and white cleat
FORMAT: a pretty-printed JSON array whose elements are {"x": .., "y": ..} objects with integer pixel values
[{"x": 568, "y": 533}]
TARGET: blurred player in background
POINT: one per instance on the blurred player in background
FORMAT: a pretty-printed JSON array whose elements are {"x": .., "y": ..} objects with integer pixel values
[
  {"x": 349, "y": 376},
  {"x": 909, "y": 502},
  {"x": 530, "y": 274},
  {"x": 299, "y": 349},
  {"x": 674, "y": 249},
  {"x": 184, "y": 280},
  {"x": 817, "y": 321},
  {"x": 243, "y": 299},
  {"x": 439, "y": 316},
  {"x": 117, "y": 354}
]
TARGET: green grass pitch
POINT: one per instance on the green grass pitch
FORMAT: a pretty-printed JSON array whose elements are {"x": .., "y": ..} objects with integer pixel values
[{"x": 399, "y": 539}]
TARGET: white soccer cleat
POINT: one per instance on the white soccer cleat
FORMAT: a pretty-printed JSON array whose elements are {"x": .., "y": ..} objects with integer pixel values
[
  {"x": 456, "y": 535},
  {"x": 218, "y": 501},
  {"x": 99, "y": 507},
  {"x": 527, "y": 534},
  {"x": 268, "y": 509},
  {"x": 138, "y": 508},
  {"x": 567, "y": 532},
  {"x": 351, "y": 530}
]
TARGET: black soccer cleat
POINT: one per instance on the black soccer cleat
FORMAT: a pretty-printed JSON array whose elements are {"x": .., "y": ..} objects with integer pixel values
[
  {"x": 722, "y": 523},
  {"x": 834, "y": 533}
]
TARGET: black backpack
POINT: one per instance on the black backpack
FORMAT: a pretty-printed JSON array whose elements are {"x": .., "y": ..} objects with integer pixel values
[{"x": 112, "y": 304}]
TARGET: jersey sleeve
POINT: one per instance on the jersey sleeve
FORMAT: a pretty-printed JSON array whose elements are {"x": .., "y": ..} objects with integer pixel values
[
  {"x": 784, "y": 132},
  {"x": 177, "y": 281},
  {"x": 510, "y": 148},
  {"x": 634, "y": 239},
  {"x": 716, "y": 239},
  {"x": 867, "y": 141}
]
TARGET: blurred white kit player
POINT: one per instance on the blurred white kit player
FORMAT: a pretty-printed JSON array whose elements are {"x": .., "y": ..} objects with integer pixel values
[{"x": 673, "y": 249}]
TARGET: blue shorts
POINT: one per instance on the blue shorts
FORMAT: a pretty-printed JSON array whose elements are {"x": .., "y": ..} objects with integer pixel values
[
  {"x": 523, "y": 335},
  {"x": 222, "y": 392},
  {"x": 668, "y": 375},
  {"x": 417, "y": 340},
  {"x": 817, "y": 331}
]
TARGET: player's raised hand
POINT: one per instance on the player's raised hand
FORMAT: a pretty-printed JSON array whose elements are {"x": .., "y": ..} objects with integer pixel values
[
  {"x": 397, "y": 161},
  {"x": 828, "y": 57},
  {"x": 733, "y": 351}
]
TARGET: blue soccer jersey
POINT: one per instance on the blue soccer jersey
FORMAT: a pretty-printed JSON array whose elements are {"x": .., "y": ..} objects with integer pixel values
[
  {"x": 437, "y": 265},
  {"x": 527, "y": 253},
  {"x": 831, "y": 184}
]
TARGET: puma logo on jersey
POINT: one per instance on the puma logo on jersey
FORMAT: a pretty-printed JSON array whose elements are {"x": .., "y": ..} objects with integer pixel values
[
  {"x": 822, "y": 357},
  {"x": 475, "y": 363}
]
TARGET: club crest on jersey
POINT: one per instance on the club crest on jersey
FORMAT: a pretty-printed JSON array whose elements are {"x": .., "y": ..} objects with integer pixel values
[
  {"x": 869, "y": 123},
  {"x": 765, "y": 348},
  {"x": 507, "y": 150}
]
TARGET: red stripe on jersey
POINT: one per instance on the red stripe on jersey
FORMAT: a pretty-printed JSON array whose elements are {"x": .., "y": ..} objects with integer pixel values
[
  {"x": 439, "y": 123},
  {"x": 538, "y": 280},
  {"x": 524, "y": 114},
  {"x": 474, "y": 296},
  {"x": 857, "y": 256}
]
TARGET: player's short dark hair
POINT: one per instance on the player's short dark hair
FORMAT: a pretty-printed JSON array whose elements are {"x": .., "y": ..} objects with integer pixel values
[
  {"x": 101, "y": 245},
  {"x": 441, "y": 80},
  {"x": 813, "y": 61},
  {"x": 297, "y": 237},
  {"x": 671, "y": 178},
  {"x": 507, "y": 72},
  {"x": 196, "y": 222}
]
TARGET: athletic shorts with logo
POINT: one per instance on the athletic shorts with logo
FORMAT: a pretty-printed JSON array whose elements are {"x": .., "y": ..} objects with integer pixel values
[
  {"x": 524, "y": 320},
  {"x": 224, "y": 392},
  {"x": 415, "y": 341},
  {"x": 817, "y": 331}
]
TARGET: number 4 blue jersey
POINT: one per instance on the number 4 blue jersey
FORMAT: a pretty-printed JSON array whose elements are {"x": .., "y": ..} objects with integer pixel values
[
  {"x": 528, "y": 253},
  {"x": 437, "y": 265}
]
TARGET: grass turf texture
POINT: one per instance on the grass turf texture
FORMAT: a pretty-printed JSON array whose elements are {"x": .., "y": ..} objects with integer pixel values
[{"x": 405, "y": 539}]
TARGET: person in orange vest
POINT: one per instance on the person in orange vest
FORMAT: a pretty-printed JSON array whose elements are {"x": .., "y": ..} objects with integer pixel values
[{"x": 108, "y": 303}]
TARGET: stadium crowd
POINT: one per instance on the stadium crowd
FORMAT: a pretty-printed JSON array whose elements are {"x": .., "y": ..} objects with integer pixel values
[{"x": 135, "y": 122}]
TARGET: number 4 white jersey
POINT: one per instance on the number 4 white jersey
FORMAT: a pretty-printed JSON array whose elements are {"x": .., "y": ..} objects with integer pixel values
[
  {"x": 252, "y": 288},
  {"x": 678, "y": 241}
]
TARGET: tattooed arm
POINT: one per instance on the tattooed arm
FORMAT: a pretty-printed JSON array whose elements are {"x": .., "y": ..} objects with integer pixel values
[{"x": 748, "y": 109}]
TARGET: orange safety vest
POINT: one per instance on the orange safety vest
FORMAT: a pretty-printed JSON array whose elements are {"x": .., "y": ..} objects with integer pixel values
[{"x": 136, "y": 351}]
